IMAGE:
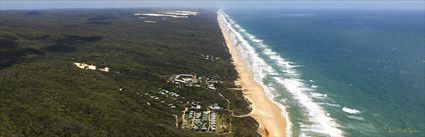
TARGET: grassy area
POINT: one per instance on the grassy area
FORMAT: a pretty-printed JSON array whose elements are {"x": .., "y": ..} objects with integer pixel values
[{"x": 220, "y": 123}]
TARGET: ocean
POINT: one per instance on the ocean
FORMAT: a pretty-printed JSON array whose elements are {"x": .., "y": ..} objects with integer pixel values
[{"x": 353, "y": 73}]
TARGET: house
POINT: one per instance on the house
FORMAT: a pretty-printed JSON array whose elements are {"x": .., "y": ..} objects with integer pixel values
[
  {"x": 215, "y": 106},
  {"x": 211, "y": 86},
  {"x": 204, "y": 127},
  {"x": 190, "y": 115}
]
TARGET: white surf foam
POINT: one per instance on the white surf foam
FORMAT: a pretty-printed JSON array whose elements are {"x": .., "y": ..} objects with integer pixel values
[
  {"x": 321, "y": 120},
  {"x": 351, "y": 110},
  {"x": 319, "y": 95},
  {"x": 257, "y": 40},
  {"x": 250, "y": 36},
  {"x": 258, "y": 66}
]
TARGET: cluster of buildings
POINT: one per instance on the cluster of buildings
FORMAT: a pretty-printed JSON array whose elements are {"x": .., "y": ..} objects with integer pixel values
[
  {"x": 168, "y": 93},
  {"x": 213, "y": 119},
  {"x": 162, "y": 95},
  {"x": 191, "y": 80},
  {"x": 202, "y": 121},
  {"x": 210, "y": 82},
  {"x": 195, "y": 105},
  {"x": 215, "y": 106},
  {"x": 210, "y": 57},
  {"x": 90, "y": 67},
  {"x": 195, "y": 117}
]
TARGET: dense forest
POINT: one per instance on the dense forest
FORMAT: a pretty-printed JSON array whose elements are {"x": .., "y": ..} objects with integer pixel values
[{"x": 42, "y": 93}]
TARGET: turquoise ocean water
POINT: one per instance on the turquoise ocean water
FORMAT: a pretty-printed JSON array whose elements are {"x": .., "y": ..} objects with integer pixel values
[{"x": 339, "y": 72}]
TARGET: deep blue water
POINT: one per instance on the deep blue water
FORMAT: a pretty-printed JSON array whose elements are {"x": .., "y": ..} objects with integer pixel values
[{"x": 364, "y": 68}]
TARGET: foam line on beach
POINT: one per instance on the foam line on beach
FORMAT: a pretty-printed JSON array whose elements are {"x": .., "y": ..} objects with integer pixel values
[
  {"x": 322, "y": 122},
  {"x": 242, "y": 46}
]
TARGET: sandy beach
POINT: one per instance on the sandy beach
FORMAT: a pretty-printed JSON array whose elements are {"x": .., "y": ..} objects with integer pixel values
[{"x": 267, "y": 114}]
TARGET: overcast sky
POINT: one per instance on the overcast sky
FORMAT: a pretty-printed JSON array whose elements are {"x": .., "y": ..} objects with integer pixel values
[{"x": 288, "y": 4}]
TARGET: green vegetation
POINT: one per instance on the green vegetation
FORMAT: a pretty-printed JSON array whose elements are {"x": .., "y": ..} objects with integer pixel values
[{"x": 42, "y": 93}]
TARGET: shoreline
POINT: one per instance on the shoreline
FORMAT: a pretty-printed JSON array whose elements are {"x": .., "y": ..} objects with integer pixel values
[{"x": 264, "y": 111}]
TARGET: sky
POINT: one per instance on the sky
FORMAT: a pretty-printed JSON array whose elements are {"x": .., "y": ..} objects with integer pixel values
[{"x": 252, "y": 4}]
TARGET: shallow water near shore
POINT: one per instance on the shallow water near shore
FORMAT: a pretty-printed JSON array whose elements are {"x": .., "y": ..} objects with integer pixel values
[{"x": 339, "y": 73}]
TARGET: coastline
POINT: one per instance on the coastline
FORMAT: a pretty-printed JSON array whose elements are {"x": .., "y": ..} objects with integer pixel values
[{"x": 264, "y": 111}]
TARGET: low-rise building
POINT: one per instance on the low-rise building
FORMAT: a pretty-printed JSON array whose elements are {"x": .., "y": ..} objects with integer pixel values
[{"x": 215, "y": 106}]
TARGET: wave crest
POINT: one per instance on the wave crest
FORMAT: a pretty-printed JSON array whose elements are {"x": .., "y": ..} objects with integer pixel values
[{"x": 350, "y": 110}]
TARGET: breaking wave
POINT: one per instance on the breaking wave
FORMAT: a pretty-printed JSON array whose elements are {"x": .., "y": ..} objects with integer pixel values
[{"x": 350, "y": 110}]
